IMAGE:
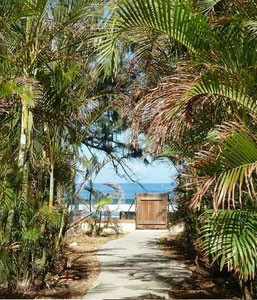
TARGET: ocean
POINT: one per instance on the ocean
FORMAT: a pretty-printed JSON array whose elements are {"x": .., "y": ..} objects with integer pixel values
[{"x": 130, "y": 189}]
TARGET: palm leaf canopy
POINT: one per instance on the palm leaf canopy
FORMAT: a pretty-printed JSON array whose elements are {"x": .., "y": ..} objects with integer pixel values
[
  {"x": 129, "y": 19},
  {"x": 225, "y": 54},
  {"x": 182, "y": 24}
]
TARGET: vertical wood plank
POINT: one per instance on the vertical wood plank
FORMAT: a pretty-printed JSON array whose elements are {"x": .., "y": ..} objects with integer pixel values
[{"x": 151, "y": 211}]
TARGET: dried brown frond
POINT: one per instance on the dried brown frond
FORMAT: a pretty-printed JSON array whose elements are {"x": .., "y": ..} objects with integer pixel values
[
  {"x": 161, "y": 112},
  {"x": 203, "y": 184}
]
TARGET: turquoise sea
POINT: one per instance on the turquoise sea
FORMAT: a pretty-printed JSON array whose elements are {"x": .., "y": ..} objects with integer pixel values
[{"x": 130, "y": 189}]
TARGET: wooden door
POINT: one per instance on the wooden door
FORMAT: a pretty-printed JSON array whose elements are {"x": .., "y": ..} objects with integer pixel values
[{"x": 151, "y": 211}]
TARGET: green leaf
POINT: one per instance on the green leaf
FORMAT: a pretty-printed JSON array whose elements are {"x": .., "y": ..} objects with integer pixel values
[
  {"x": 229, "y": 238},
  {"x": 50, "y": 215},
  {"x": 32, "y": 235}
]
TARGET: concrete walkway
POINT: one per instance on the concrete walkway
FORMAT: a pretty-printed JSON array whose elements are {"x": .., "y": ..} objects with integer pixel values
[{"x": 133, "y": 267}]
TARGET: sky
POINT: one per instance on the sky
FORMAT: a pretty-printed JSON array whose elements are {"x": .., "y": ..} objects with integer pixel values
[{"x": 157, "y": 172}]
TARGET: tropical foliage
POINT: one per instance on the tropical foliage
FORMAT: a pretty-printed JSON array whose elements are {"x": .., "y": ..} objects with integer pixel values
[
  {"x": 182, "y": 73},
  {"x": 229, "y": 237},
  {"x": 200, "y": 112},
  {"x": 51, "y": 107}
]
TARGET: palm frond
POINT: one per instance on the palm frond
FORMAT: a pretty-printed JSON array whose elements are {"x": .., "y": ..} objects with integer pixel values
[
  {"x": 225, "y": 8},
  {"x": 207, "y": 5},
  {"x": 228, "y": 167},
  {"x": 251, "y": 25},
  {"x": 174, "y": 19},
  {"x": 27, "y": 90},
  {"x": 159, "y": 113},
  {"x": 229, "y": 238},
  {"x": 233, "y": 48},
  {"x": 234, "y": 87}
]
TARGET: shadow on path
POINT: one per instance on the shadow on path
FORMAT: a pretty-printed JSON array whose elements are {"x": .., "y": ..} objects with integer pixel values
[{"x": 134, "y": 268}]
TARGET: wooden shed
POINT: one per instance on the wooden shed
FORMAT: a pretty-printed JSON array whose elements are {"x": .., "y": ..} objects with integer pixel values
[{"x": 151, "y": 211}]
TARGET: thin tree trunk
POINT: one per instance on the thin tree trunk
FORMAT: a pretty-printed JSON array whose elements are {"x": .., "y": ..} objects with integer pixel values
[
  {"x": 59, "y": 237},
  {"x": 23, "y": 136},
  {"x": 90, "y": 194},
  {"x": 25, "y": 140},
  {"x": 73, "y": 192},
  {"x": 52, "y": 161},
  {"x": 51, "y": 189}
]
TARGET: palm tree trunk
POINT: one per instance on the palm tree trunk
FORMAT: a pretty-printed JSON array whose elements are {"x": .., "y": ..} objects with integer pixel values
[
  {"x": 25, "y": 140},
  {"x": 52, "y": 161},
  {"x": 51, "y": 189},
  {"x": 59, "y": 237},
  {"x": 73, "y": 192},
  {"x": 23, "y": 136},
  {"x": 90, "y": 195}
]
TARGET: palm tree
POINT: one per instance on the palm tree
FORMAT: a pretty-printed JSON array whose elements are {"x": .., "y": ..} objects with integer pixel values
[
  {"x": 46, "y": 109},
  {"x": 50, "y": 104},
  {"x": 215, "y": 71},
  {"x": 225, "y": 54}
]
